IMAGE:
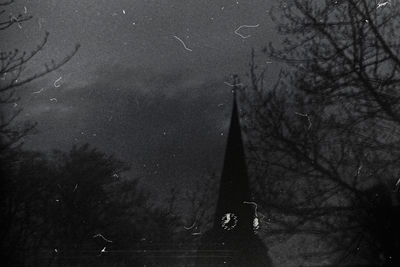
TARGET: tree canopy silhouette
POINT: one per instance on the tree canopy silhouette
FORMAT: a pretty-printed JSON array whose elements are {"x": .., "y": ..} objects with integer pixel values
[
  {"x": 66, "y": 207},
  {"x": 324, "y": 140}
]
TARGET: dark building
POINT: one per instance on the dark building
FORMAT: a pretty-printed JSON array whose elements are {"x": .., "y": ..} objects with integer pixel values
[{"x": 232, "y": 240}]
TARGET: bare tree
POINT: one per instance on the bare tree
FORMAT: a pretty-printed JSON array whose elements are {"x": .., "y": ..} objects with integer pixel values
[
  {"x": 324, "y": 162},
  {"x": 344, "y": 50},
  {"x": 12, "y": 66},
  {"x": 23, "y": 174}
]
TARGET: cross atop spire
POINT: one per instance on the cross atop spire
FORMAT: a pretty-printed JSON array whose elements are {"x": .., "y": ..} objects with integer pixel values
[{"x": 236, "y": 84}]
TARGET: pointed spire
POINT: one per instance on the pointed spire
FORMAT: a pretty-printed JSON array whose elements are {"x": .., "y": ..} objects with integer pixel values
[
  {"x": 233, "y": 222},
  {"x": 234, "y": 186}
]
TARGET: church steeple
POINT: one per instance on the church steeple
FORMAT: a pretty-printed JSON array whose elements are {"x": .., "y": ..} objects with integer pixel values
[
  {"x": 232, "y": 233},
  {"x": 234, "y": 185}
]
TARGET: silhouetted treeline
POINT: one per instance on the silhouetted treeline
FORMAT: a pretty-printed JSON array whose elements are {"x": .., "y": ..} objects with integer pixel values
[{"x": 67, "y": 208}]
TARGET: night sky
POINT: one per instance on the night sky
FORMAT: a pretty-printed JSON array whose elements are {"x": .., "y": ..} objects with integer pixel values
[{"x": 134, "y": 89}]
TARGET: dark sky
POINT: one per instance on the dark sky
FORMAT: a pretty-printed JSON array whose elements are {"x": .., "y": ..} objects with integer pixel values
[{"x": 133, "y": 89}]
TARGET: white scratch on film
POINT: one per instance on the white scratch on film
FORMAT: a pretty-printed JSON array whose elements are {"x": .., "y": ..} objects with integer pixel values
[
  {"x": 383, "y": 4},
  {"x": 252, "y": 203},
  {"x": 103, "y": 250},
  {"x": 245, "y": 26},
  {"x": 233, "y": 85},
  {"x": 190, "y": 227},
  {"x": 256, "y": 222},
  {"x": 38, "y": 92},
  {"x": 184, "y": 45},
  {"x": 56, "y": 82},
  {"x": 102, "y": 237}
]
